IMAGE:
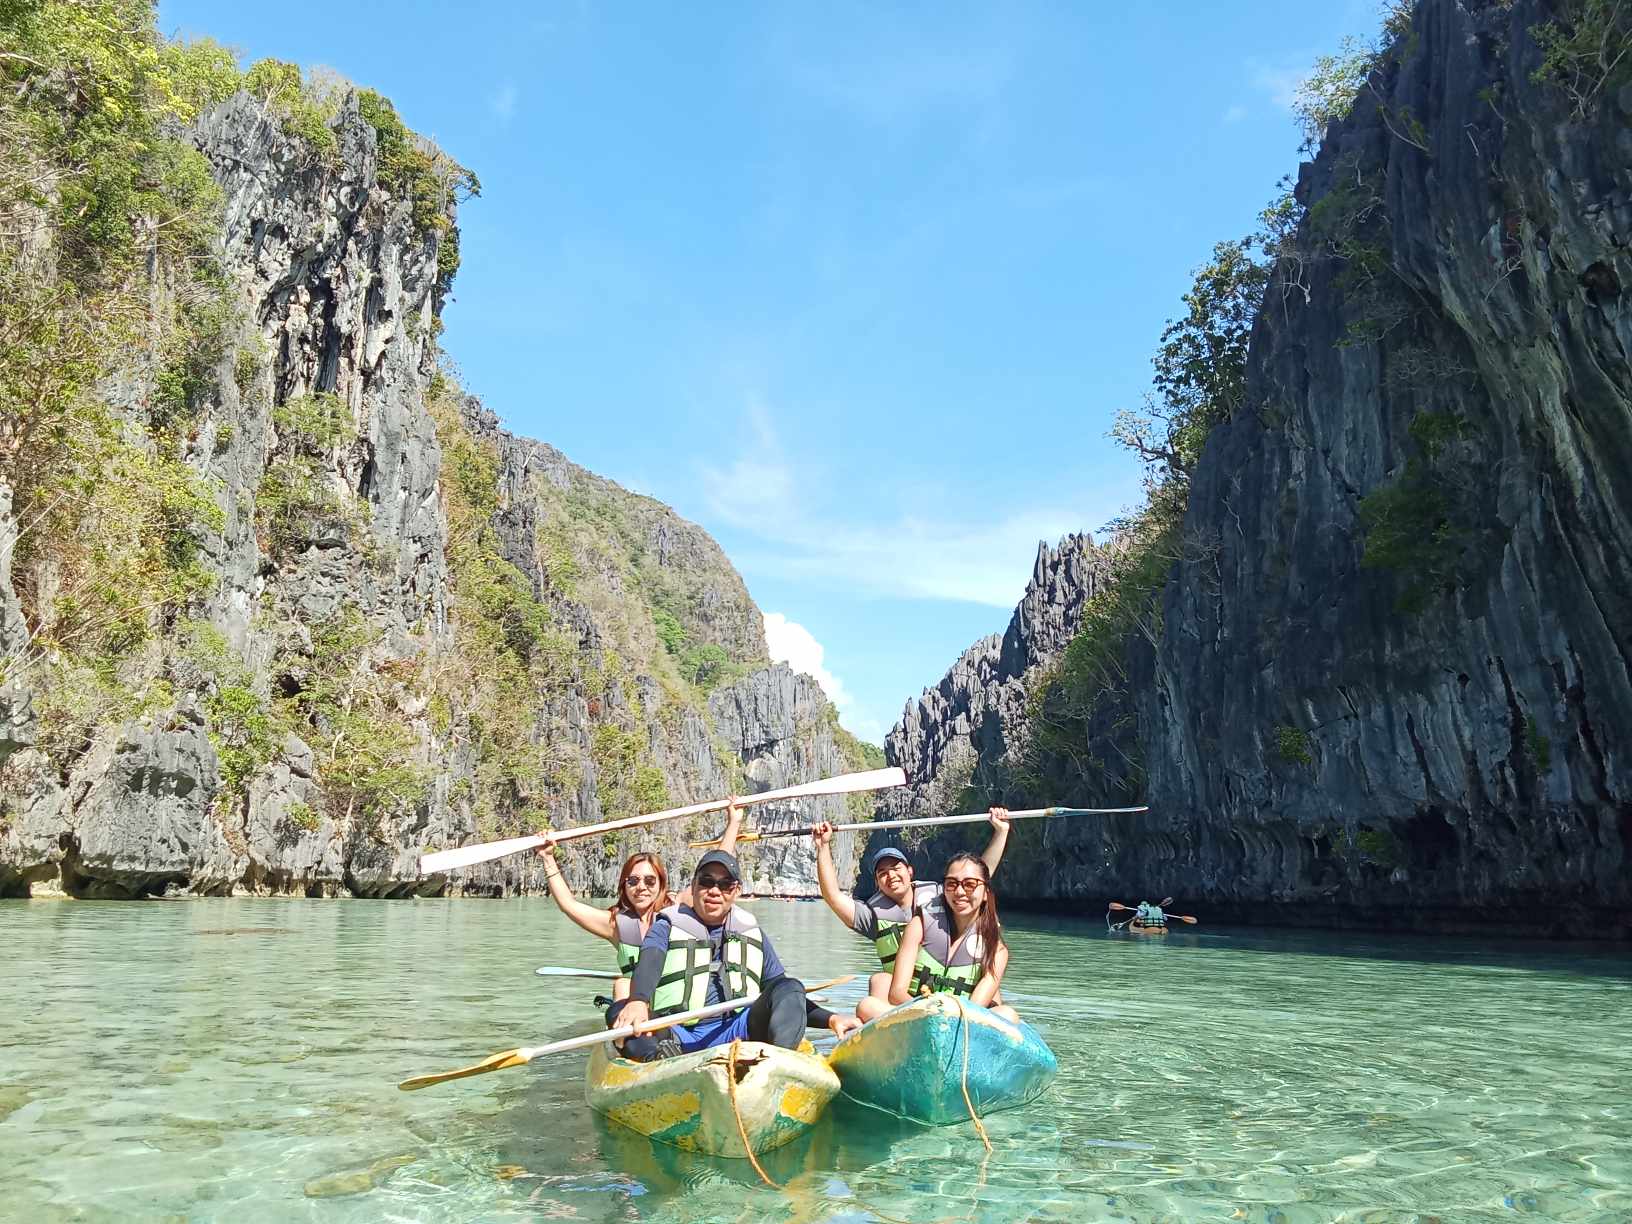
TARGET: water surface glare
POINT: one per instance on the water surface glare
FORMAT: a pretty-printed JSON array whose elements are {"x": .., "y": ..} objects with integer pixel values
[{"x": 238, "y": 1060}]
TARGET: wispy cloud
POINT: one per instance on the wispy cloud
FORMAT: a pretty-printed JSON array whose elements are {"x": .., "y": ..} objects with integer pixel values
[
  {"x": 935, "y": 555},
  {"x": 1280, "y": 81},
  {"x": 1058, "y": 192},
  {"x": 1235, "y": 114},
  {"x": 502, "y": 102},
  {"x": 890, "y": 90}
]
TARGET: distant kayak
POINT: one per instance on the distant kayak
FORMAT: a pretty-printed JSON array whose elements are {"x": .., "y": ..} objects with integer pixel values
[
  {"x": 686, "y": 1103},
  {"x": 1131, "y": 929},
  {"x": 910, "y": 1061}
]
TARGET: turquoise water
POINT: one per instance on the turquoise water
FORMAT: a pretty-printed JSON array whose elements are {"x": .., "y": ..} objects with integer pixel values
[{"x": 237, "y": 1060}]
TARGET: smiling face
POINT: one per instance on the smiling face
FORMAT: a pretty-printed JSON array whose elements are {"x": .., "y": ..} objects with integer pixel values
[
  {"x": 965, "y": 889},
  {"x": 712, "y": 892},
  {"x": 642, "y": 883},
  {"x": 894, "y": 879}
]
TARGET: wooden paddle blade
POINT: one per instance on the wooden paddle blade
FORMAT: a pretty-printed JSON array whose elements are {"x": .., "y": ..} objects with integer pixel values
[
  {"x": 498, "y": 1062},
  {"x": 1117, "y": 905},
  {"x": 1184, "y": 918},
  {"x": 838, "y": 981}
]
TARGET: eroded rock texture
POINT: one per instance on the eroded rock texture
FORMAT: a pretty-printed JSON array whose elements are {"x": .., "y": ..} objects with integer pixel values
[
  {"x": 337, "y": 291},
  {"x": 1440, "y": 741}
]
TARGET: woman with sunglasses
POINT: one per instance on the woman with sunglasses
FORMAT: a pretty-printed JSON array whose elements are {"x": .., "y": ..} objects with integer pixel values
[
  {"x": 953, "y": 945},
  {"x": 643, "y": 892}
]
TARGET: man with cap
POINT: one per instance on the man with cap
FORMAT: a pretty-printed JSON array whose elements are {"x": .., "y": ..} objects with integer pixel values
[
  {"x": 706, "y": 952},
  {"x": 896, "y": 897}
]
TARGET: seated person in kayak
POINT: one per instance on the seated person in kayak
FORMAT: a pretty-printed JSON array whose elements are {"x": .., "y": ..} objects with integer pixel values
[
  {"x": 643, "y": 891},
  {"x": 897, "y": 896},
  {"x": 954, "y": 945},
  {"x": 1149, "y": 915},
  {"x": 707, "y": 952}
]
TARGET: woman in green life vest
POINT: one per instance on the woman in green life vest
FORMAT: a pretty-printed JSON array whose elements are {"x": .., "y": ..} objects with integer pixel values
[
  {"x": 952, "y": 945},
  {"x": 643, "y": 892},
  {"x": 896, "y": 896}
]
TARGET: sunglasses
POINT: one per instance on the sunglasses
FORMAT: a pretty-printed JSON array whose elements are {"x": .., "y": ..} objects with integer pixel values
[
  {"x": 722, "y": 884},
  {"x": 971, "y": 884},
  {"x": 636, "y": 881}
]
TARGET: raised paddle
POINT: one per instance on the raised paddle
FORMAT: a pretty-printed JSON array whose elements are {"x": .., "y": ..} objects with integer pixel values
[
  {"x": 748, "y": 835},
  {"x": 563, "y": 971},
  {"x": 845, "y": 784},
  {"x": 525, "y": 1054},
  {"x": 1117, "y": 905}
]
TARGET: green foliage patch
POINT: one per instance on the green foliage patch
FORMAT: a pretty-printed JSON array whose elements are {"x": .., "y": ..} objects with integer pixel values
[{"x": 1586, "y": 49}]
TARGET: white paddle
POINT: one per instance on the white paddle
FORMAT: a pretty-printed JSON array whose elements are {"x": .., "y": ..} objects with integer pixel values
[
  {"x": 526, "y": 1054},
  {"x": 563, "y": 971},
  {"x": 467, "y": 856},
  {"x": 748, "y": 835}
]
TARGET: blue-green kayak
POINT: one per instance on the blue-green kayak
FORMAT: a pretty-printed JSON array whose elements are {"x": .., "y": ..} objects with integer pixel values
[{"x": 910, "y": 1061}]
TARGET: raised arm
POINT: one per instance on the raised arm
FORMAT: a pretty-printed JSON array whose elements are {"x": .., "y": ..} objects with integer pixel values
[
  {"x": 986, "y": 988},
  {"x": 593, "y": 919},
  {"x": 993, "y": 854},
  {"x": 827, "y": 878},
  {"x": 733, "y": 826},
  {"x": 905, "y": 959}
]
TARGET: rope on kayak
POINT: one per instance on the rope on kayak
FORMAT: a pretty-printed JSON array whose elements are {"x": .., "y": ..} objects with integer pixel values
[
  {"x": 731, "y": 1083},
  {"x": 964, "y": 1084}
]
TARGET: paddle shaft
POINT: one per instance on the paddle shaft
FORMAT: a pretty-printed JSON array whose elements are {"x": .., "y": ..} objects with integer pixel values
[
  {"x": 467, "y": 856},
  {"x": 526, "y": 1054},
  {"x": 1117, "y": 905},
  {"x": 563, "y": 971},
  {"x": 966, "y": 818}
]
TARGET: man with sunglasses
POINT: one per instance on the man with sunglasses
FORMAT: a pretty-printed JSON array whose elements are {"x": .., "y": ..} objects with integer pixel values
[
  {"x": 896, "y": 897},
  {"x": 709, "y": 951}
]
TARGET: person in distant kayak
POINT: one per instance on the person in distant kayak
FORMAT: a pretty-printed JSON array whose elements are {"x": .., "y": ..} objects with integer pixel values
[
  {"x": 1149, "y": 915},
  {"x": 897, "y": 896},
  {"x": 953, "y": 945},
  {"x": 706, "y": 952},
  {"x": 643, "y": 892}
]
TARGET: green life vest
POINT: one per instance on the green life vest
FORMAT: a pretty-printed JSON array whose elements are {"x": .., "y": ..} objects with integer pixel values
[
  {"x": 892, "y": 920},
  {"x": 687, "y": 965},
  {"x": 946, "y": 964},
  {"x": 1149, "y": 915},
  {"x": 628, "y": 944}
]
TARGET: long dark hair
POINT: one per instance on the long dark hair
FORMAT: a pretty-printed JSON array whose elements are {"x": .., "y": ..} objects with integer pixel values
[
  {"x": 986, "y": 924},
  {"x": 666, "y": 898}
]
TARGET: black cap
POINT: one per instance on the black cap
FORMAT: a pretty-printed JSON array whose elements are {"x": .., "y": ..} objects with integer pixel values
[
  {"x": 722, "y": 859},
  {"x": 882, "y": 856}
]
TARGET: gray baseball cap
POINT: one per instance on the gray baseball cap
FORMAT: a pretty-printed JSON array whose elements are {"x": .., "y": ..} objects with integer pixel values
[
  {"x": 882, "y": 856},
  {"x": 718, "y": 858}
]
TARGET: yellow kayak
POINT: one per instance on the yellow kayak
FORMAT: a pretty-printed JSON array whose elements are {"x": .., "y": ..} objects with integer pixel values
[{"x": 686, "y": 1102}]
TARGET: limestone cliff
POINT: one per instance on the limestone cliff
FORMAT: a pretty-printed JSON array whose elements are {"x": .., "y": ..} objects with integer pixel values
[
  {"x": 1392, "y": 683},
  {"x": 381, "y": 623}
]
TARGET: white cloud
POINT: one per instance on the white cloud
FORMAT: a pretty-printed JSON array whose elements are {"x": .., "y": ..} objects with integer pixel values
[
  {"x": 1280, "y": 81},
  {"x": 503, "y": 102},
  {"x": 983, "y": 560},
  {"x": 1235, "y": 114},
  {"x": 791, "y": 643}
]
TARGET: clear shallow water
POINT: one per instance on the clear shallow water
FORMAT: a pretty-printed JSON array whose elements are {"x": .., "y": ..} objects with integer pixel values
[{"x": 237, "y": 1060}]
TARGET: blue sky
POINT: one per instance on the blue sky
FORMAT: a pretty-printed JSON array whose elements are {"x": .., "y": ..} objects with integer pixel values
[{"x": 858, "y": 287}]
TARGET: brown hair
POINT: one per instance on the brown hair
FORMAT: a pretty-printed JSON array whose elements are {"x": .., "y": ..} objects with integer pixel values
[
  {"x": 986, "y": 924},
  {"x": 629, "y": 864}
]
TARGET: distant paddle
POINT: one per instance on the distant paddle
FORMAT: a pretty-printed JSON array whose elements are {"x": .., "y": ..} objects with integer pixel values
[
  {"x": 1117, "y": 905},
  {"x": 563, "y": 971},
  {"x": 845, "y": 784},
  {"x": 748, "y": 835},
  {"x": 525, "y": 1054}
]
